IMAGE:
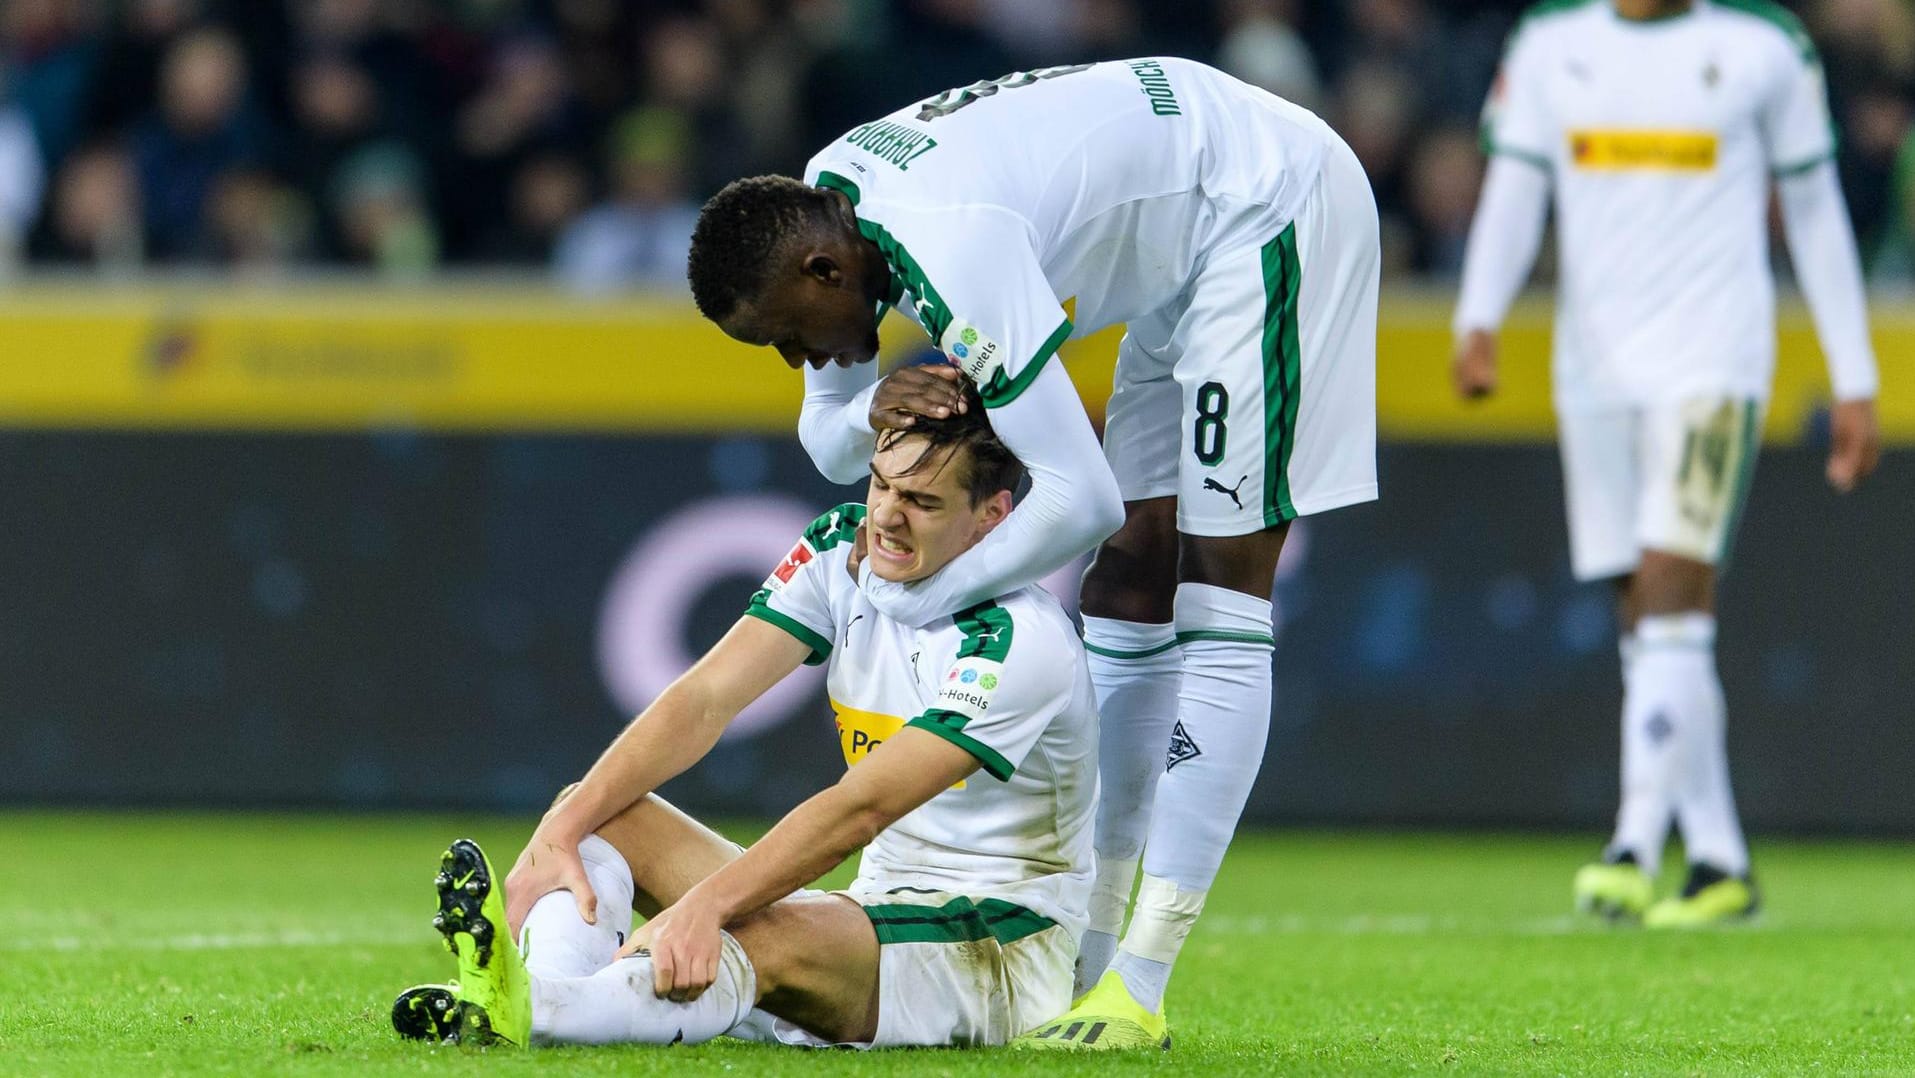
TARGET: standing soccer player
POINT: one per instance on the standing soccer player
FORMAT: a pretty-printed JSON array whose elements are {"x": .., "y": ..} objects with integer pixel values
[
  {"x": 1660, "y": 124},
  {"x": 1237, "y": 237}
]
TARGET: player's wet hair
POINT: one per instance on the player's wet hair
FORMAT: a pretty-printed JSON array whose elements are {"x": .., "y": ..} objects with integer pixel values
[
  {"x": 738, "y": 233},
  {"x": 990, "y": 466}
]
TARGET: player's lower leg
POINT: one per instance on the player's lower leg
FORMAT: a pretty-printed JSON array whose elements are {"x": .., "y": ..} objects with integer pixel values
[
  {"x": 1622, "y": 884},
  {"x": 1136, "y": 669},
  {"x": 1718, "y": 887},
  {"x": 1215, "y": 751},
  {"x": 617, "y": 1005}
]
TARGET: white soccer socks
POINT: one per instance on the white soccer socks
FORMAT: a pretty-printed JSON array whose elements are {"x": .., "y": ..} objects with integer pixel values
[
  {"x": 1135, "y": 668},
  {"x": 1648, "y": 769},
  {"x": 1216, "y": 745},
  {"x": 1211, "y": 762},
  {"x": 1679, "y": 652},
  {"x": 557, "y": 942},
  {"x": 1675, "y": 753},
  {"x": 1162, "y": 921},
  {"x": 616, "y": 1005}
]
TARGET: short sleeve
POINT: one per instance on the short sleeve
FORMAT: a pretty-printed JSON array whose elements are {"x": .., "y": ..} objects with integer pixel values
[
  {"x": 796, "y": 597},
  {"x": 1796, "y": 125},
  {"x": 999, "y": 693},
  {"x": 971, "y": 277},
  {"x": 1516, "y": 120}
]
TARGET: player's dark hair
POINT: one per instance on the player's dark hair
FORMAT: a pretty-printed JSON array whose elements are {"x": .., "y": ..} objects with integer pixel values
[
  {"x": 738, "y": 233},
  {"x": 990, "y": 466}
]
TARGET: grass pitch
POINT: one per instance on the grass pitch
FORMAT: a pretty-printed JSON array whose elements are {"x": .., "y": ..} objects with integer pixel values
[{"x": 245, "y": 945}]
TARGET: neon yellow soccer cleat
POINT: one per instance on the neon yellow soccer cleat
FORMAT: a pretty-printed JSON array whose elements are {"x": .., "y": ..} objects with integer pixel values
[
  {"x": 1105, "y": 1018},
  {"x": 494, "y": 993},
  {"x": 1619, "y": 890},
  {"x": 1711, "y": 897}
]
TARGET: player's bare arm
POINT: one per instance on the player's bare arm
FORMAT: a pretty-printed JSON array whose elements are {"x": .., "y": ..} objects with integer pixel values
[
  {"x": 671, "y": 735},
  {"x": 906, "y": 771}
]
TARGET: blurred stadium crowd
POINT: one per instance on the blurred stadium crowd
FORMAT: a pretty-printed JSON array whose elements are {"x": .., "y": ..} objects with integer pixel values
[{"x": 581, "y": 135}]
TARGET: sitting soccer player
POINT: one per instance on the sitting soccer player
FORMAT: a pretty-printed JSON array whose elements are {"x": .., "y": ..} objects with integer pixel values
[{"x": 972, "y": 788}]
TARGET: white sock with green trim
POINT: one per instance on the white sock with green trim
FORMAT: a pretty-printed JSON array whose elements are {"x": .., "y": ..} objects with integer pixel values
[
  {"x": 616, "y": 1004},
  {"x": 1216, "y": 746},
  {"x": 1215, "y": 751},
  {"x": 1648, "y": 776},
  {"x": 557, "y": 942},
  {"x": 1136, "y": 669}
]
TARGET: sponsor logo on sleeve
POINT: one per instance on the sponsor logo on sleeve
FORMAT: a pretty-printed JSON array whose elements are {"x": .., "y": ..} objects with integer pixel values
[
  {"x": 977, "y": 355},
  {"x": 969, "y": 688},
  {"x": 800, "y": 555}
]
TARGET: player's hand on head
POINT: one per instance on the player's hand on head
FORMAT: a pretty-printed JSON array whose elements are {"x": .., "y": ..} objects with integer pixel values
[
  {"x": 1474, "y": 367},
  {"x": 684, "y": 945},
  {"x": 1857, "y": 447},
  {"x": 932, "y": 389},
  {"x": 547, "y": 864}
]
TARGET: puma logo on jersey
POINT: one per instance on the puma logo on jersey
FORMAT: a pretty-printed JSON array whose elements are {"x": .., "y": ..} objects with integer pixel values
[
  {"x": 847, "y": 634},
  {"x": 1212, "y": 484}
]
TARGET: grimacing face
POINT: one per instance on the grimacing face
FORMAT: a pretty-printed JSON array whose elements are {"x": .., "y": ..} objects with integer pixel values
[{"x": 916, "y": 523}]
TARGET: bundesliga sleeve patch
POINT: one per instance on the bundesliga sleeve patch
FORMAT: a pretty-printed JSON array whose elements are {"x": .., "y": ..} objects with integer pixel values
[
  {"x": 800, "y": 556},
  {"x": 976, "y": 355},
  {"x": 969, "y": 687}
]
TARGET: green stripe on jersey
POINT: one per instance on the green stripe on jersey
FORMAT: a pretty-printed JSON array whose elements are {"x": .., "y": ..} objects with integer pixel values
[
  {"x": 1003, "y": 389},
  {"x": 835, "y": 182},
  {"x": 957, "y": 921},
  {"x": 760, "y": 608},
  {"x": 949, "y": 725},
  {"x": 987, "y": 632},
  {"x": 1282, "y": 372},
  {"x": 835, "y": 527}
]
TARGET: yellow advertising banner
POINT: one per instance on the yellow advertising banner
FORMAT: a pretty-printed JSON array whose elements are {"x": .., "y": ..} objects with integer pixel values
[{"x": 518, "y": 359}]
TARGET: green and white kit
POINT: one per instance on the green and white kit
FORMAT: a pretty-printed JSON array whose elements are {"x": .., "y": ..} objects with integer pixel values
[
  {"x": 978, "y": 895},
  {"x": 1233, "y": 231}
]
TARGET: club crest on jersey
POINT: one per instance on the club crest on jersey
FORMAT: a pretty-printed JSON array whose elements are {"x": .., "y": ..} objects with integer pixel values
[
  {"x": 971, "y": 351},
  {"x": 800, "y": 555}
]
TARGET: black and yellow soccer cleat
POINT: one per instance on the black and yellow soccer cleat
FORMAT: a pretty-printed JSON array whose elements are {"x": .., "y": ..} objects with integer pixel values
[
  {"x": 1106, "y": 1018},
  {"x": 494, "y": 993},
  {"x": 1710, "y": 897},
  {"x": 428, "y": 1012}
]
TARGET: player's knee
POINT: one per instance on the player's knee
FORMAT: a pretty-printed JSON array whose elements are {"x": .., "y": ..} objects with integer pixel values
[
  {"x": 1134, "y": 574},
  {"x": 1669, "y": 584},
  {"x": 1245, "y": 563}
]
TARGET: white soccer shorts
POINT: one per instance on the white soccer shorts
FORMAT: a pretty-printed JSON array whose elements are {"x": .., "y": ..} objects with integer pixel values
[
  {"x": 953, "y": 971},
  {"x": 1253, "y": 400},
  {"x": 1671, "y": 478}
]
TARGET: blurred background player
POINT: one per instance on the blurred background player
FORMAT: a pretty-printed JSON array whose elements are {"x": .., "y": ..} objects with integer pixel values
[
  {"x": 962, "y": 926},
  {"x": 1235, "y": 235},
  {"x": 1659, "y": 125}
]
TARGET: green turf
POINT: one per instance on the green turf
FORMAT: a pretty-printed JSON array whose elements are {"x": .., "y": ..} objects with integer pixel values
[{"x": 201, "y": 944}]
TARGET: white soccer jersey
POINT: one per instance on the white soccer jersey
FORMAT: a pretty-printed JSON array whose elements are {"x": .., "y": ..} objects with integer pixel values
[
  {"x": 1660, "y": 138},
  {"x": 1103, "y": 184},
  {"x": 1006, "y": 681}
]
